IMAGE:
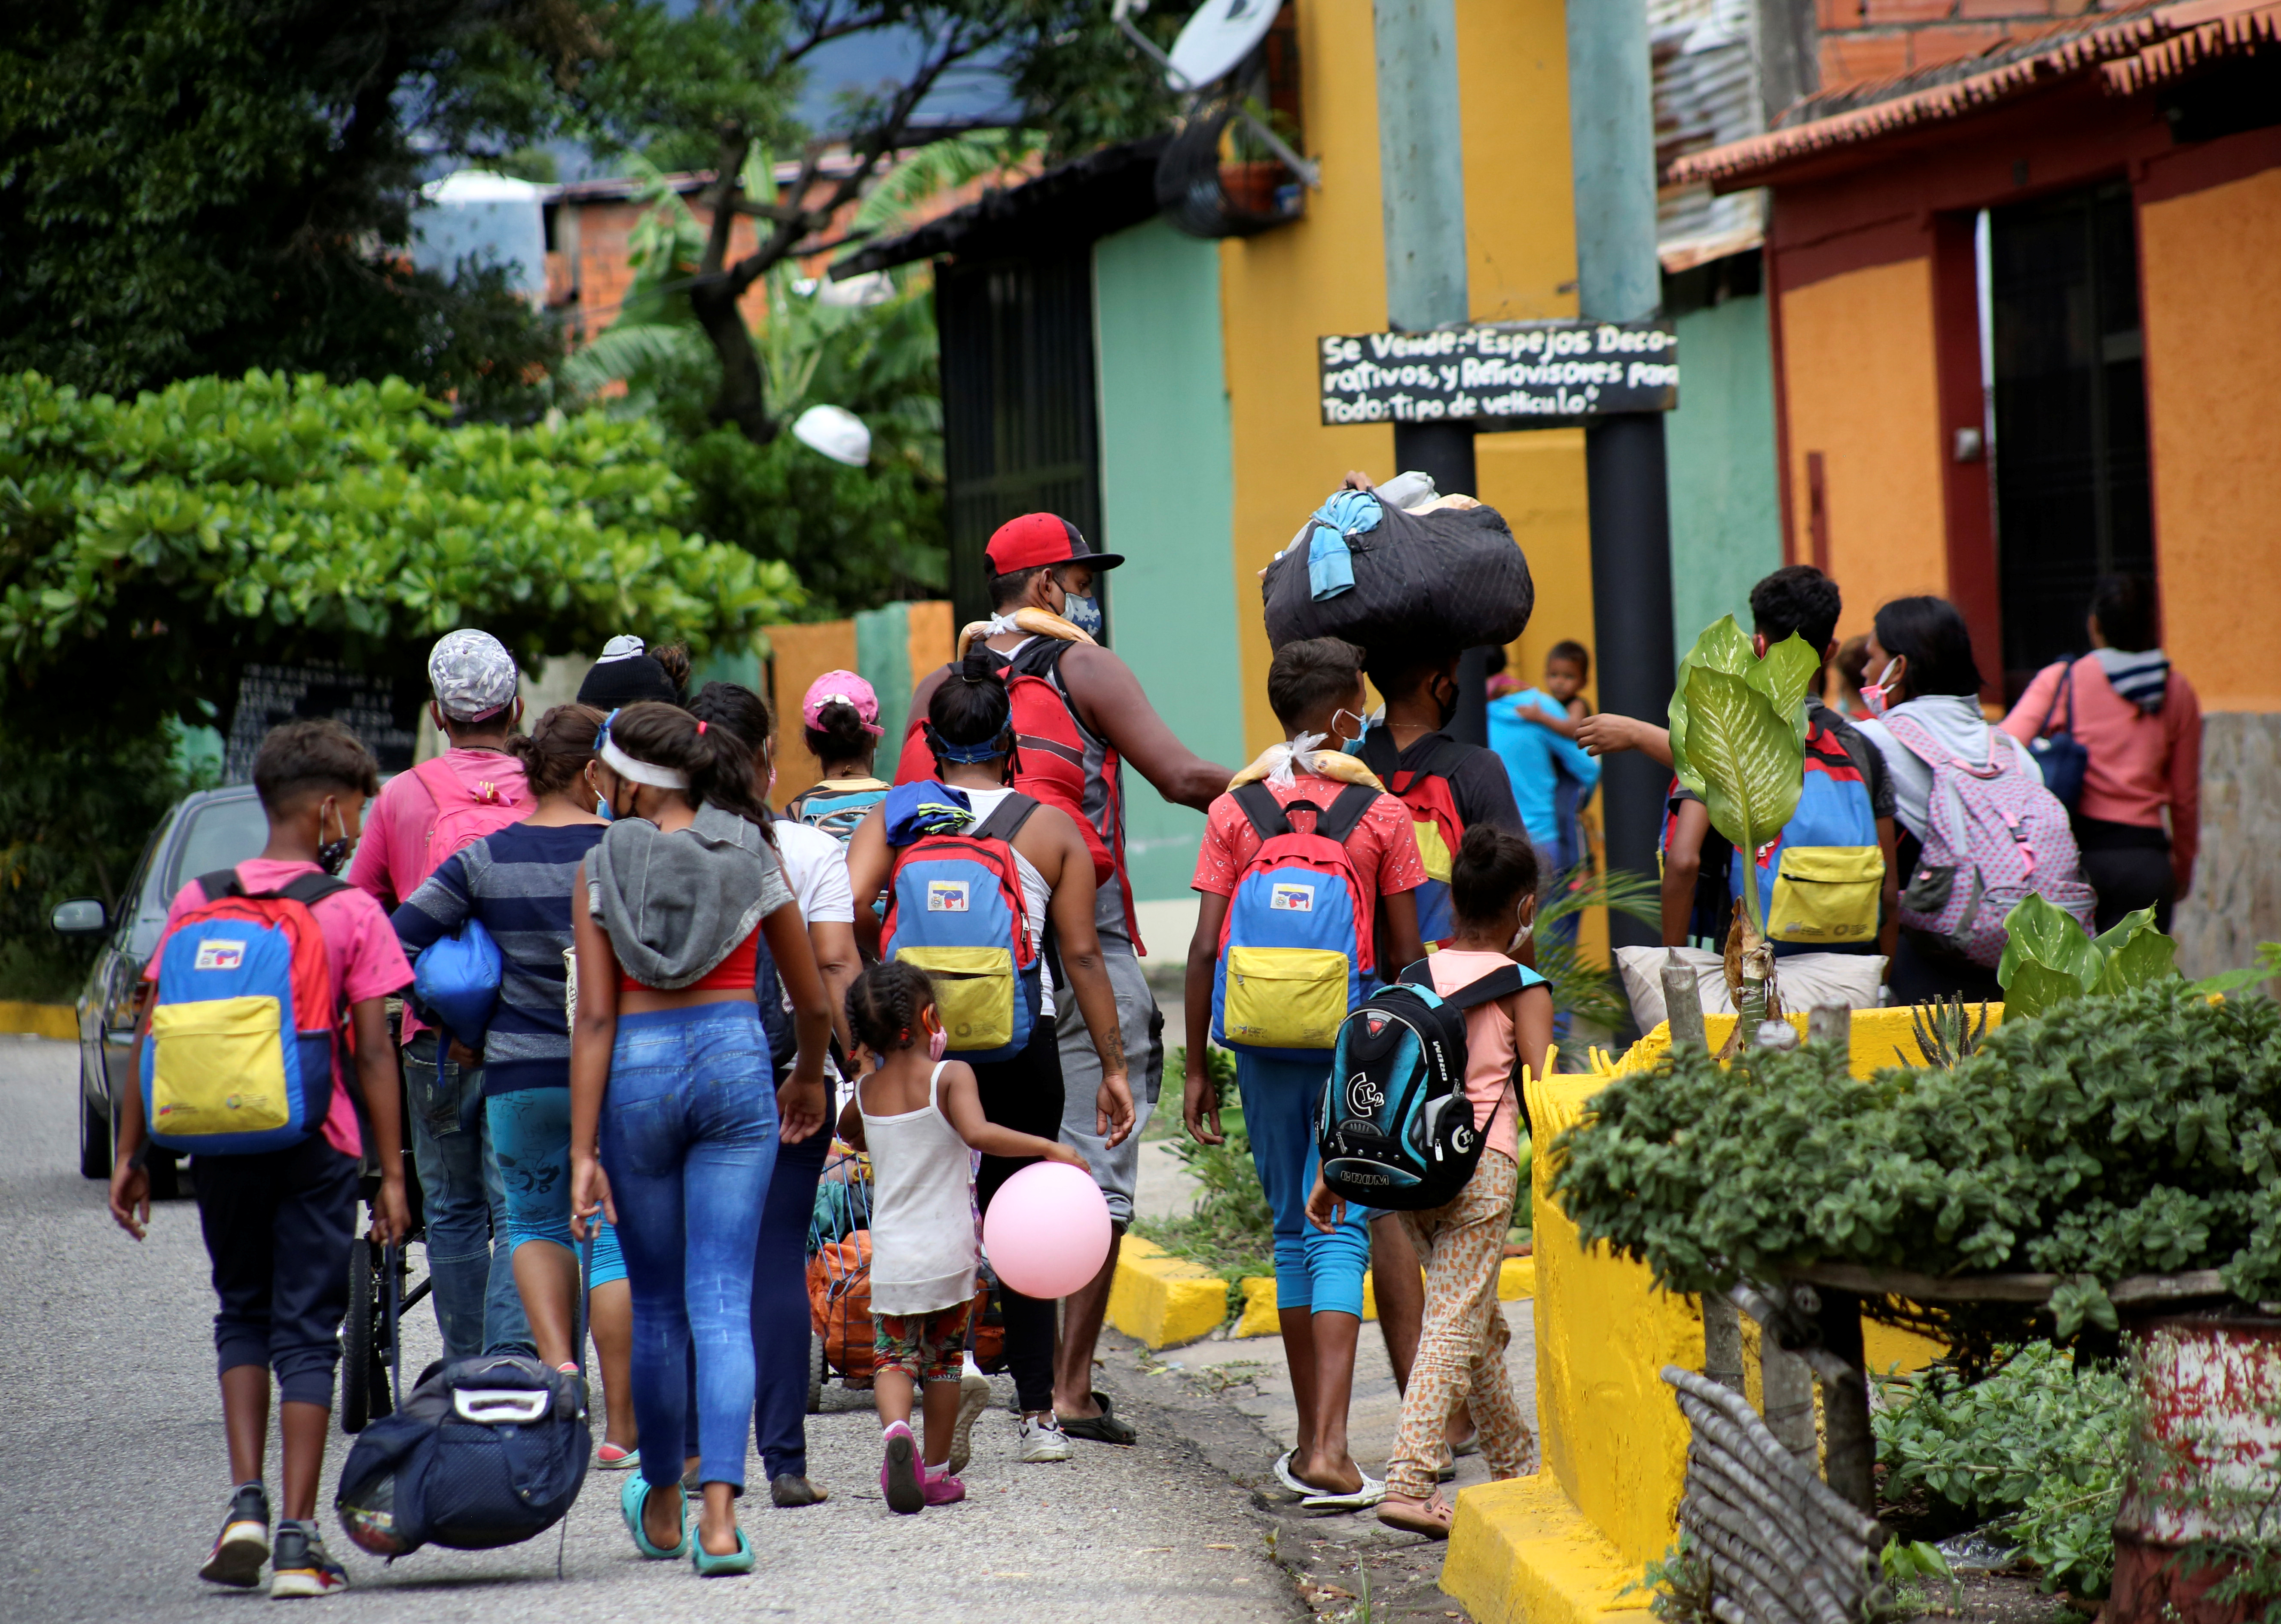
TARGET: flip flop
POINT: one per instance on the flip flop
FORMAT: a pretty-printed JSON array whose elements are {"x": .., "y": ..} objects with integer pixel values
[
  {"x": 1431, "y": 1519},
  {"x": 1370, "y": 1494},
  {"x": 1285, "y": 1476},
  {"x": 1470, "y": 1444},
  {"x": 1102, "y": 1428}
]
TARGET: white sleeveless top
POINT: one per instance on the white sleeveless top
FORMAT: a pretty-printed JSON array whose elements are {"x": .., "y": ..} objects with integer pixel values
[
  {"x": 923, "y": 1251},
  {"x": 1036, "y": 894}
]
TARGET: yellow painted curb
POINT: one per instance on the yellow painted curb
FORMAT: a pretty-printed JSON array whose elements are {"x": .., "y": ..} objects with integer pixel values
[
  {"x": 58, "y": 1021},
  {"x": 1516, "y": 1280},
  {"x": 1520, "y": 1553},
  {"x": 1160, "y": 1300}
]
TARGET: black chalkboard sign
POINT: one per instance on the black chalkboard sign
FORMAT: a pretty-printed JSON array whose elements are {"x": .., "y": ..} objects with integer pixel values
[
  {"x": 382, "y": 713},
  {"x": 1516, "y": 375}
]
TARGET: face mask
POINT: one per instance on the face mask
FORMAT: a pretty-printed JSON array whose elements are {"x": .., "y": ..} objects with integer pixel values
[
  {"x": 331, "y": 854},
  {"x": 1519, "y": 938},
  {"x": 1447, "y": 708},
  {"x": 1875, "y": 695},
  {"x": 938, "y": 1039},
  {"x": 1082, "y": 613},
  {"x": 602, "y": 811},
  {"x": 1360, "y": 726}
]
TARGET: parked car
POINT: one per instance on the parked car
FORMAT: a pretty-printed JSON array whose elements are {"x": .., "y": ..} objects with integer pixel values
[{"x": 210, "y": 830}]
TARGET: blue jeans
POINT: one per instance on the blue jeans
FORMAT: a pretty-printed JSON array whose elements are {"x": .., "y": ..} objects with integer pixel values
[
  {"x": 478, "y": 1308},
  {"x": 780, "y": 1319},
  {"x": 1312, "y": 1270},
  {"x": 530, "y": 1143},
  {"x": 689, "y": 1141}
]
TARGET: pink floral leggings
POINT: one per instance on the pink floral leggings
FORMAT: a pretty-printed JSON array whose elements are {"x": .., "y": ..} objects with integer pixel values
[{"x": 1461, "y": 1348}]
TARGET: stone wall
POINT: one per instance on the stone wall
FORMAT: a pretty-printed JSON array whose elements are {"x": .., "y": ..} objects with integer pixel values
[{"x": 2236, "y": 897}]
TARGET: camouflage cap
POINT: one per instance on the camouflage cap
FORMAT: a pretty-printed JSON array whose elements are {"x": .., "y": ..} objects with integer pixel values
[{"x": 473, "y": 674}]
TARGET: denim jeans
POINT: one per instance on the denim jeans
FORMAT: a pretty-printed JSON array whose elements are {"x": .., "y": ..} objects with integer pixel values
[
  {"x": 1312, "y": 1269},
  {"x": 478, "y": 1308},
  {"x": 689, "y": 1141}
]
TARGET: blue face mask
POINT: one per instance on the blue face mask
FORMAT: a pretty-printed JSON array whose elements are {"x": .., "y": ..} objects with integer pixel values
[
  {"x": 602, "y": 809},
  {"x": 1082, "y": 613}
]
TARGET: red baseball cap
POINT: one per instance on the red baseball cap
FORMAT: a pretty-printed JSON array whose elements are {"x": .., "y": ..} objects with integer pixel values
[{"x": 1038, "y": 538}]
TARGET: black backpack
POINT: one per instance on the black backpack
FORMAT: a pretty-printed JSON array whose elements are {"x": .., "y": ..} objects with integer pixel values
[
  {"x": 487, "y": 1451},
  {"x": 1394, "y": 1129}
]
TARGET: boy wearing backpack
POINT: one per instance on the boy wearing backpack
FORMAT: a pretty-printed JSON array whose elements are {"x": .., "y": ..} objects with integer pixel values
[
  {"x": 1298, "y": 859},
  {"x": 266, "y": 976},
  {"x": 423, "y": 816},
  {"x": 1507, "y": 1030}
]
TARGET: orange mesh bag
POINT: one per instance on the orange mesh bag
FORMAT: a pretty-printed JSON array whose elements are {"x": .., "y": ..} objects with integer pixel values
[{"x": 839, "y": 1302}]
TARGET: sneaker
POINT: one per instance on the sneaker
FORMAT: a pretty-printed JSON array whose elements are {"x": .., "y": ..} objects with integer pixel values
[
  {"x": 973, "y": 1399},
  {"x": 243, "y": 1546},
  {"x": 900, "y": 1479},
  {"x": 301, "y": 1566},
  {"x": 942, "y": 1487},
  {"x": 1042, "y": 1441}
]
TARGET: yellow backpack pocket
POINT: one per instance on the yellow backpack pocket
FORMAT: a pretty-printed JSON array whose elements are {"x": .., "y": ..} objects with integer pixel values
[
  {"x": 973, "y": 993},
  {"x": 1827, "y": 894},
  {"x": 219, "y": 1068},
  {"x": 1285, "y": 997},
  {"x": 1433, "y": 850}
]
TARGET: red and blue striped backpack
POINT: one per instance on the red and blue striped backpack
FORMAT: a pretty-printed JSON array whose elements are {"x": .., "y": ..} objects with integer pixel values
[
  {"x": 1820, "y": 880},
  {"x": 955, "y": 909},
  {"x": 1295, "y": 945},
  {"x": 240, "y": 1056}
]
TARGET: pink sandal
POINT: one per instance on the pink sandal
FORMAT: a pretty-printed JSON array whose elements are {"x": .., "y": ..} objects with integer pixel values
[{"x": 1430, "y": 1516}]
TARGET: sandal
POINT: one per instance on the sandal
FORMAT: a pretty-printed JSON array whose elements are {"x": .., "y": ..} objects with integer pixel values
[
  {"x": 1286, "y": 1477},
  {"x": 1430, "y": 1516},
  {"x": 631, "y": 1500},
  {"x": 1102, "y": 1428},
  {"x": 710, "y": 1567},
  {"x": 1370, "y": 1494}
]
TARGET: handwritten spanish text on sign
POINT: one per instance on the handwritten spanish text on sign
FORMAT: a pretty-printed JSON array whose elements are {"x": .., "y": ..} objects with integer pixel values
[{"x": 1561, "y": 370}]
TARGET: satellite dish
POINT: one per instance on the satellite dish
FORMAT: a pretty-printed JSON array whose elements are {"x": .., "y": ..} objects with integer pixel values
[
  {"x": 1218, "y": 39},
  {"x": 838, "y": 433}
]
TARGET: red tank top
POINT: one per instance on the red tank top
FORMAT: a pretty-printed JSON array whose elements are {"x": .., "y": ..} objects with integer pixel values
[{"x": 734, "y": 974}]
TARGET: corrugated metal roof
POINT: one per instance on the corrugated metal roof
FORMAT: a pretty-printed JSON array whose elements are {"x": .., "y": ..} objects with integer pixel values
[
  {"x": 1706, "y": 95},
  {"x": 2132, "y": 49}
]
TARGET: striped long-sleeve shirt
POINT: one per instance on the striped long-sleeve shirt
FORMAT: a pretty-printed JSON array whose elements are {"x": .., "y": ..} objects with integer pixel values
[{"x": 518, "y": 882}]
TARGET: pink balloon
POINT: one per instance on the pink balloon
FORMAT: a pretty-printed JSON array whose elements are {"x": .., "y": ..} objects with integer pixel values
[{"x": 1047, "y": 1230}]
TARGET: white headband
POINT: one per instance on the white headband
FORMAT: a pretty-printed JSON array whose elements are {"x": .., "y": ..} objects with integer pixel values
[{"x": 641, "y": 772}]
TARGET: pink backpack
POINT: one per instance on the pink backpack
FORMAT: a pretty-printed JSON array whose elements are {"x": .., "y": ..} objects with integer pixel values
[
  {"x": 1993, "y": 835},
  {"x": 465, "y": 813}
]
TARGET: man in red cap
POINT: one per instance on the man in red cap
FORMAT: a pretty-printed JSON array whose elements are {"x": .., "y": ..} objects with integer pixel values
[{"x": 1079, "y": 712}]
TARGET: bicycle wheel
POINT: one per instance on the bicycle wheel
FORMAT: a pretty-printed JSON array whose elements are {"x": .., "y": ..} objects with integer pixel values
[{"x": 358, "y": 1341}]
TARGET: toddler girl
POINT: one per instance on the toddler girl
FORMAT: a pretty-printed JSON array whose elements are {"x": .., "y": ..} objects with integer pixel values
[{"x": 919, "y": 1119}]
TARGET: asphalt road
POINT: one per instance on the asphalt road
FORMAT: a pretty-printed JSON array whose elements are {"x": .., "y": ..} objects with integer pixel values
[{"x": 113, "y": 1475}]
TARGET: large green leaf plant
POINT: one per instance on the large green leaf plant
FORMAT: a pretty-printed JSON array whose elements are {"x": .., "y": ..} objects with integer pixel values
[
  {"x": 1738, "y": 740},
  {"x": 2048, "y": 959}
]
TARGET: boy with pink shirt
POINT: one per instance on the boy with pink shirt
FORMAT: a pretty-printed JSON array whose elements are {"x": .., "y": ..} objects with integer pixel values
[
  {"x": 278, "y": 1223},
  {"x": 419, "y": 819}
]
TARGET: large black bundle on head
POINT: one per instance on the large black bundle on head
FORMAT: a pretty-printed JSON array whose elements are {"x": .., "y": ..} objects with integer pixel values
[{"x": 1453, "y": 577}]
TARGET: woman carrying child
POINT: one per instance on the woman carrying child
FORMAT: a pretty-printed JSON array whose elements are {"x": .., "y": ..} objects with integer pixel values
[
  {"x": 675, "y": 1112},
  {"x": 517, "y": 883},
  {"x": 1461, "y": 1349},
  {"x": 920, "y": 1116},
  {"x": 970, "y": 729}
]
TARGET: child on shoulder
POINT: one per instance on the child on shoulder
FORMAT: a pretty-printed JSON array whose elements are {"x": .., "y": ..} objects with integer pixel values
[
  {"x": 919, "y": 1116},
  {"x": 279, "y": 1222},
  {"x": 1461, "y": 1349},
  {"x": 1288, "y": 918}
]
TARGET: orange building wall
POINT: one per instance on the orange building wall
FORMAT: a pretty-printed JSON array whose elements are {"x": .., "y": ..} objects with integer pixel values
[
  {"x": 2210, "y": 270},
  {"x": 803, "y": 654},
  {"x": 1859, "y": 377}
]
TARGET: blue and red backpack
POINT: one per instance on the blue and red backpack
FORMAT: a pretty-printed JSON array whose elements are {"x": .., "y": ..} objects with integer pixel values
[
  {"x": 955, "y": 909},
  {"x": 1820, "y": 880},
  {"x": 1295, "y": 946},
  {"x": 240, "y": 1056},
  {"x": 1427, "y": 792}
]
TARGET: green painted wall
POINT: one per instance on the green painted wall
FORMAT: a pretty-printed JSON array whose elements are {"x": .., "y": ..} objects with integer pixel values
[
  {"x": 1726, "y": 512},
  {"x": 1167, "y": 499}
]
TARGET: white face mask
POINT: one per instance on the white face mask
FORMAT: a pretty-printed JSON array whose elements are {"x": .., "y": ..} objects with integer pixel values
[
  {"x": 1360, "y": 726},
  {"x": 1520, "y": 937}
]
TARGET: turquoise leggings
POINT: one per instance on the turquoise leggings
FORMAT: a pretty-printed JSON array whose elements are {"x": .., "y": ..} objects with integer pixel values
[
  {"x": 530, "y": 1135},
  {"x": 1312, "y": 1270}
]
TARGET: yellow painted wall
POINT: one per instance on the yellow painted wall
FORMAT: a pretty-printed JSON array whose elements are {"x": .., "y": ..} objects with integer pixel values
[
  {"x": 2210, "y": 277},
  {"x": 1282, "y": 290},
  {"x": 803, "y": 654},
  {"x": 1857, "y": 371}
]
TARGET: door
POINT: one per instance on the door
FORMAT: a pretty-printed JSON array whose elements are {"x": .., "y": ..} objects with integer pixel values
[
  {"x": 2072, "y": 496},
  {"x": 1018, "y": 405}
]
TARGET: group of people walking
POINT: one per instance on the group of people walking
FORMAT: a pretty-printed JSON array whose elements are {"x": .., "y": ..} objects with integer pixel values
[{"x": 698, "y": 994}]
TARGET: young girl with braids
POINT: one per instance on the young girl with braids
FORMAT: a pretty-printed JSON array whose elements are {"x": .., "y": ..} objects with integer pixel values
[
  {"x": 970, "y": 728},
  {"x": 920, "y": 1117},
  {"x": 674, "y": 1110}
]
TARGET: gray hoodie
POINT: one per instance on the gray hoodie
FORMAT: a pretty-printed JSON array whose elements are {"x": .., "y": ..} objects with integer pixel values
[{"x": 675, "y": 904}]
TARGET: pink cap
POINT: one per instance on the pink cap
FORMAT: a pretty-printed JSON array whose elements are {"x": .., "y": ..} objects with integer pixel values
[{"x": 843, "y": 687}]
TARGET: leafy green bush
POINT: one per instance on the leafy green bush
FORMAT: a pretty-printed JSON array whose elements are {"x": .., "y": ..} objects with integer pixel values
[
  {"x": 2109, "y": 1137},
  {"x": 2037, "y": 1450},
  {"x": 149, "y": 548},
  {"x": 2047, "y": 958}
]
